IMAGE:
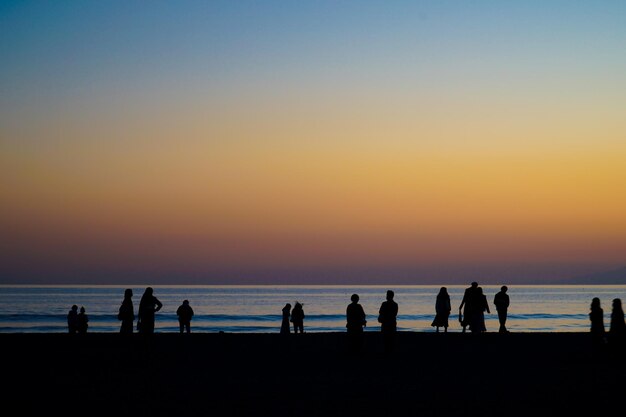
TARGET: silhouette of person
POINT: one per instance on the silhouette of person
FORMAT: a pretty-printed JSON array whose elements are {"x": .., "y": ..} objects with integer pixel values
[
  {"x": 184, "y": 313},
  {"x": 72, "y": 320},
  {"x": 355, "y": 317},
  {"x": 617, "y": 330},
  {"x": 126, "y": 313},
  {"x": 148, "y": 305},
  {"x": 83, "y": 321},
  {"x": 442, "y": 310},
  {"x": 465, "y": 315},
  {"x": 477, "y": 321},
  {"x": 596, "y": 316},
  {"x": 284, "y": 327},
  {"x": 387, "y": 319},
  {"x": 501, "y": 301},
  {"x": 297, "y": 318}
]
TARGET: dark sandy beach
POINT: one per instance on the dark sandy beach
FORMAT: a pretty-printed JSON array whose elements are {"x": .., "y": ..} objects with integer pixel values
[{"x": 263, "y": 375}]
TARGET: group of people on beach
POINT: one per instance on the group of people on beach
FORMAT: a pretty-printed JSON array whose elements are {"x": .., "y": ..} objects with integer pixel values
[
  {"x": 148, "y": 306},
  {"x": 471, "y": 315}
]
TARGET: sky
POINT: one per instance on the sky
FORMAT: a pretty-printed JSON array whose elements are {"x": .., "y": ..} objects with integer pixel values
[{"x": 311, "y": 142}]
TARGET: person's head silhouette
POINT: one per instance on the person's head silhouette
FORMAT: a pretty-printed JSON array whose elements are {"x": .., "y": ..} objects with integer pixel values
[
  {"x": 617, "y": 304},
  {"x": 595, "y": 303},
  {"x": 390, "y": 295},
  {"x": 186, "y": 302},
  {"x": 474, "y": 284},
  {"x": 74, "y": 308},
  {"x": 479, "y": 290},
  {"x": 128, "y": 293},
  {"x": 354, "y": 298},
  {"x": 443, "y": 291},
  {"x": 504, "y": 288},
  {"x": 149, "y": 291},
  {"x": 82, "y": 309}
]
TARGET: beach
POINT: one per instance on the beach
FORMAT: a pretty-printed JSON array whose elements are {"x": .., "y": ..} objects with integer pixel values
[{"x": 311, "y": 374}]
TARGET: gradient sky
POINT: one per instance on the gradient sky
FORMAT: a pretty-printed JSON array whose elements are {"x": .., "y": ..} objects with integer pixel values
[{"x": 311, "y": 142}]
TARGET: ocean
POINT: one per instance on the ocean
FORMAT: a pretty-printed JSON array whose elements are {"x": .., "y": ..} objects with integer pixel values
[{"x": 43, "y": 309}]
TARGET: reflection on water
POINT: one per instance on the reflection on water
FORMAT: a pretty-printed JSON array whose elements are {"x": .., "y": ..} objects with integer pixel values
[{"x": 257, "y": 309}]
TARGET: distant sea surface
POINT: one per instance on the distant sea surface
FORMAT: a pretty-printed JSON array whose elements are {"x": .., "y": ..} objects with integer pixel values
[{"x": 43, "y": 309}]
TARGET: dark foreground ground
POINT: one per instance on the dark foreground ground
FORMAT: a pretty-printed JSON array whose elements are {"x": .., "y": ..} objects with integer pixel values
[{"x": 429, "y": 374}]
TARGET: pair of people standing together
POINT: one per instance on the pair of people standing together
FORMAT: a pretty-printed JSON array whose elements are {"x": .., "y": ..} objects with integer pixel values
[
  {"x": 387, "y": 317},
  {"x": 77, "y": 322},
  {"x": 295, "y": 316}
]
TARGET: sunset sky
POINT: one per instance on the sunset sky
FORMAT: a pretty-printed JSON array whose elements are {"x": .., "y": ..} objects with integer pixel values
[{"x": 364, "y": 142}]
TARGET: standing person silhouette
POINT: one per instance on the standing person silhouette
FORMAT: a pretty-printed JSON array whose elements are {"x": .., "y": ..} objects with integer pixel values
[
  {"x": 355, "y": 317},
  {"x": 387, "y": 319},
  {"x": 72, "y": 320},
  {"x": 297, "y": 318},
  {"x": 83, "y": 321},
  {"x": 184, "y": 313},
  {"x": 596, "y": 316},
  {"x": 617, "y": 331},
  {"x": 477, "y": 320},
  {"x": 442, "y": 310},
  {"x": 126, "y": 313},
  {"x": 501, "y": 301},
  {"x": 284, "y": 327},
  {"x": 148, "y": 305},
  {"x": 465, "y": 315}
]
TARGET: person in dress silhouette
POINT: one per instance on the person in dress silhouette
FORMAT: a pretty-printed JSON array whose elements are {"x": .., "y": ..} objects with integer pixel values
[
  {"x": 596, "y": 316},
  {"x": 148, "y": 305},
  {"x": 465, "y": 309},
  {"x": 72, "y": 320},
  {"x": 284, "y": 327},
  {"x": 501, "y": 301},
  {"x": 297, "y": 318},
  {"x": 477, "y": 321},
  {"x": 126, "y": 313},
  {"x": 184, "y": 313},
  {"x": 355, "y": 317},
  {"x": 387, "y": 319},
  {"x": 617, "y": 329},
  {"x": 442, "y": 310},
  {"x": 83, "y": 321}
]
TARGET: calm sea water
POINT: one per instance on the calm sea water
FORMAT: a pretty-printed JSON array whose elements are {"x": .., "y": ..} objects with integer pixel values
[{"x": 258, "y": 308}]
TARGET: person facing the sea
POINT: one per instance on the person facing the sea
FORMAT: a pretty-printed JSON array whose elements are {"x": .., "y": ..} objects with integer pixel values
[
  {"x": 72, "y": 320},
  {"x": 184, "y": 313},
  {"x": 442, "y": 310},
  {"x": 387, "y": 319},
  {"x": 126, "y": 313},
  {"x": 284, "y": 327},
  {"x": 501, "y": 301},
  {"x": 355, "y": 317},
  {"x": 83, "y": 321},
  {"x": 297, "y": 318},
  {"x": 148, "y": 305},
  {"x": 617, "y": 330},
  {"x": 465, "y": 315},
  {"x": 596, "y": 316}
]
